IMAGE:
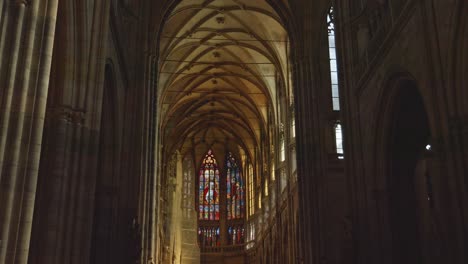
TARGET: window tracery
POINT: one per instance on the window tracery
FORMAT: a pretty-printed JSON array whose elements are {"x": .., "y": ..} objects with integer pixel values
[
  {"x": 209, "y": 188},
  {"x": 211, "y": 182},
  {"x": 235, "y": 189}
]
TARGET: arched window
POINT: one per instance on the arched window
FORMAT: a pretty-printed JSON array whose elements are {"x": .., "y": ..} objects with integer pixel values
[
  {"x": 209, "y": 188},
  {"x": 334, "y": 82},
  {"x": 235, "y": 189},
  {"x": 210, "y": 219}
]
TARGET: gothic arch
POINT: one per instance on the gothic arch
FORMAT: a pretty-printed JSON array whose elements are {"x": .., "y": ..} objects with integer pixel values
[
  {"x": 282, "y": 8},
  {"x": 219, "y": 93},
  {"x": 403, "y": 132},
  {"x": 385, "y": 104}
]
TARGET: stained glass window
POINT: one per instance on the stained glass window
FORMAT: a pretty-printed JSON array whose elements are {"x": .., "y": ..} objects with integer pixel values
[
  {"x": 235, "y": 235},
  {"x": 234, "y": 189},
  {"x": 209, "y": 207},
  {"x": 209, "y": 189},
  {"x": 209, "y": 236}
]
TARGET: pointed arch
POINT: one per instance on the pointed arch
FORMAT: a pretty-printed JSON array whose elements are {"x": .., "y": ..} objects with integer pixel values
[
  {"x": 234, "y": 189},
  {"x": 208, "y": 191}
]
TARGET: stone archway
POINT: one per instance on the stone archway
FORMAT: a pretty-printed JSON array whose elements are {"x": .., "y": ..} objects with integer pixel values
[
  {"x": 223, "y": 71},
  {"x": 407, "y": 142}
]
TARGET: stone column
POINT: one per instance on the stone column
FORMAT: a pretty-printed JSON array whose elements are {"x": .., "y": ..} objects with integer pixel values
[
  {"x": 149, "y": 184},
  {"x": 26, "y": 51},
  {"x": 309, "y": 215},
  {"x": 64, "y": 208},
  {"x": 55, "y": 192},
  {"x": 11, "y": 37},
  {"x": 453, "y": 190}
]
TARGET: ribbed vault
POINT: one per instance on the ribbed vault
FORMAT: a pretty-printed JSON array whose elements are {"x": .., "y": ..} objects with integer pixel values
[{"x": 221, "y": 64}]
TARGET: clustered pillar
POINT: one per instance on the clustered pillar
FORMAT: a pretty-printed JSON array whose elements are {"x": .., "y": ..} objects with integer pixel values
[{"x": 27, "y": 36}]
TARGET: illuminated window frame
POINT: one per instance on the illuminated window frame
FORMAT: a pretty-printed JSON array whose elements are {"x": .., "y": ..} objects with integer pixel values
[{"x": 333, "y": 60}]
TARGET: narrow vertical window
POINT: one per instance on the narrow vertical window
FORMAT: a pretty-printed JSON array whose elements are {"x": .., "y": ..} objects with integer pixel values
[
  {"x": 260, "y": 200},
  {"x": 333, "y": 61},
  {"x": 250, "y": 235},
  {"x": 187, "y": 201},
  {"x": 273, "y": 175},
  {"x": 282, "y": 145},
  {"x": 334, "y": 82},
  {"x": 339, "y": 140},
  {"x": 251, "y": 190},
  {"x": 235, "y": 189}
]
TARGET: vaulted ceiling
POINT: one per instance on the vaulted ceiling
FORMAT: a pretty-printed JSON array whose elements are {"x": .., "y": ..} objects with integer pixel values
[{"x": 221, "y": 63}]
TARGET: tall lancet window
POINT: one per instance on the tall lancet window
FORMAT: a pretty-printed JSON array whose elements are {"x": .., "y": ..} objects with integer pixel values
[
  {"x": 334, "y": 82},
  {"x": 333, "y": 62},
  {"x": 234, "y": 189},
  {"x": 209, "y": 188},
  {"x": 251, "y": 187}
]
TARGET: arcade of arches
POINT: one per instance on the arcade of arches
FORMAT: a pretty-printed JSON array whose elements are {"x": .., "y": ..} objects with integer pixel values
[{"x": 233, "y": 131}]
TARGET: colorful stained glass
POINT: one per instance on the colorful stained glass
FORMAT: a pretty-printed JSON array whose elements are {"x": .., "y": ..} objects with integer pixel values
[
  {"x": 209, "y": 236},
  {"x": 234, "y": 189},
  {"x": 209, "y": 188},
  {"x": 235, "y": 235},
  {"x": 209, "y": 206}
]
